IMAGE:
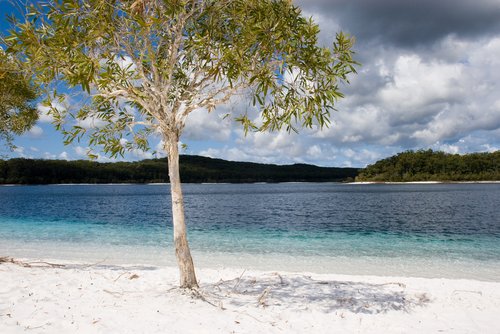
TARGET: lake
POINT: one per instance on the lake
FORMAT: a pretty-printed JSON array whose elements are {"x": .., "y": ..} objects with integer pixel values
[{"x": 427, "y": 230}]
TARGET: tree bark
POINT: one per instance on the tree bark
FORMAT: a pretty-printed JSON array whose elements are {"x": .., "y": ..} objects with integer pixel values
[{"x": 182, "y": 252}]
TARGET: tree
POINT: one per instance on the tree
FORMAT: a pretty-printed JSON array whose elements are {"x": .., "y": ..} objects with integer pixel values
[
  {"x": 143, "y": 66},
  {"x": 17, "y": 94}
]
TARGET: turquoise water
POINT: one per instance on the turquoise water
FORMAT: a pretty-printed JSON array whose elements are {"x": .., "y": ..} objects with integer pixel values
[{"x": 431, "y": 230}]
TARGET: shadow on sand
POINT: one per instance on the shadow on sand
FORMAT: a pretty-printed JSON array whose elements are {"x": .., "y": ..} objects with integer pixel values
[{"x": 303, "y": 292}]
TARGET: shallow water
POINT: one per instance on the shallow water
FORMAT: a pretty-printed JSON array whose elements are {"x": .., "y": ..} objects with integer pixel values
[{"x": 431, "y": 230}]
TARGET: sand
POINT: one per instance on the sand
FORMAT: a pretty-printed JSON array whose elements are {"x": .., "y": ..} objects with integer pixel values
[{"x": 97, "y": 298}]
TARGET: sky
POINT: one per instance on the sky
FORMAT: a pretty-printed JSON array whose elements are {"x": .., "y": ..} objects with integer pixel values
[{"x": 430, "y": 79}]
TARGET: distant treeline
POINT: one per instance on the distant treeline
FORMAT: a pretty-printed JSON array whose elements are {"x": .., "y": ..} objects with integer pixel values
[
  {"x": 194, "y": 169},
  {"x": 434, "y": 166}
]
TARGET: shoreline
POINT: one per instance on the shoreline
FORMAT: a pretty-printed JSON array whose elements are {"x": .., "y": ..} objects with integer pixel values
[
  {"x": 42, "y": 296},
  {"x": 104, "y": 264},
  {"x": 381, "y": 266},
  {"x": 406, "y": 264},
  {"x": 257, "y": 183},
  {"x": 425, "y": 182}
]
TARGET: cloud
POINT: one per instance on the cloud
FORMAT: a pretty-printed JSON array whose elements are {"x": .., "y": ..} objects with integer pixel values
[
  {"x": 44, "y": 115},
  {"x": 81, "y": 151},
  {"x": 49, "y": 156},
  {"x": 416, "y": 85},
  {"x": 202, "y": 125},
  {"x": 19, "y": 150},
  {"x": 64, "y": 156},
  {"x": 228, "y": 153},
  {"x": 136, "y": 153},
  {"x": 35, "y": 132},
  {"x": 260, "y": 147},
  {"x": 160, "y": 152},
  {"x": 321, "y": 154},
  {"x": 409, "y": 101},
  {"x": 91, "y": 123}
]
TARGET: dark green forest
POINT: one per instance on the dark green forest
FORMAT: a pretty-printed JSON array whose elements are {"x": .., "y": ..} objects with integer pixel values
[
  {"x": 428, "y": 165},
  {"x": 194, "y": 169},
  {"x": 404, "y": 167}
]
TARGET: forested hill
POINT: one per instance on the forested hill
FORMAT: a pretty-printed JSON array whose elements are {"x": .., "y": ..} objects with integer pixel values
[
  {"x": 194, "y": 169},
  {"x": 434, "y": 166}
]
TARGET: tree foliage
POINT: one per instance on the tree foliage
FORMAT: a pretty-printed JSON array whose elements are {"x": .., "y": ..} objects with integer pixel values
[
  {"x": 428, "y": 165},
  {"x": 17, "y": 96},
  {"x": 143, "y": 66}
]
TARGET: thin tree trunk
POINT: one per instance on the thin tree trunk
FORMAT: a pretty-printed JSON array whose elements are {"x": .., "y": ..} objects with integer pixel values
[{"x": 182, "y": 252}]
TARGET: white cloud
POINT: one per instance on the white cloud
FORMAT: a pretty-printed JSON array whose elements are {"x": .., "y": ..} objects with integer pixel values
[
  {"x": 103, "y": 158},
  {"x": 48, "y": 155},
  {"x": 44, "y": 112},
  {"x": 314, "y": 151},
  {"x": 474, "y": 142},
  {"x": 19, "y": 150},
  {"x": 91, "y": 123},
  {"x": 35, "y": 132},
  {"x": 453, "y": 149},
  {"x": 417, "y": 85},
  {"x": 232, "y": 154},
  {"x": 486, "y": 53},
  {"x": 363, "y": 123},
  {"x": 81, "y": 151},
  {"x": 64, "y": 155},
  {"x": 202, "y": 125},
  {"x": 136, "y": 153}
]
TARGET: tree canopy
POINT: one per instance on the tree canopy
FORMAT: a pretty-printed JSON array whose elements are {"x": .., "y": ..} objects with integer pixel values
[
  {"x": 17, "y": 96},
  {"x": 148, "y": 64}
]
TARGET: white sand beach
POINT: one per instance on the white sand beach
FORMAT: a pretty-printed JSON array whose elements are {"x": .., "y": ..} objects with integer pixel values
[{"x": 36, "y": 297}]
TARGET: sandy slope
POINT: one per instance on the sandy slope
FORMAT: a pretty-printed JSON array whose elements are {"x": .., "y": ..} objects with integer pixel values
[{"x": 79, "y": 298}]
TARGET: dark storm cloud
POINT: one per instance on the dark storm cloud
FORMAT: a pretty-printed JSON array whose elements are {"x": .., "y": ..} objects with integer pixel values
[{"x": 408, "y": 23}]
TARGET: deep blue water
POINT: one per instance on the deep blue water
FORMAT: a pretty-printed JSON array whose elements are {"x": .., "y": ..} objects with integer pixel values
[{"x": 456, "y": 222}]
